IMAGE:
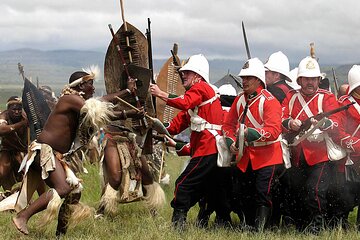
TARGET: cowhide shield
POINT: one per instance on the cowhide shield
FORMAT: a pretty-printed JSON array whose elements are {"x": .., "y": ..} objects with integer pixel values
[
  {"x": 169, "y": 81},
  {"x": 36, "y": 108},
  {"x": 115, "y": 75}
]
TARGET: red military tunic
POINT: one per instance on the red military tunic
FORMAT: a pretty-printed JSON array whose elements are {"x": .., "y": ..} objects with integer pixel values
[
  {"x": 321, "y": 101},
  {"x": 202, "y": 143},
  {"x": 349, "y": 120},
  {"x": 266, "y": 110}
]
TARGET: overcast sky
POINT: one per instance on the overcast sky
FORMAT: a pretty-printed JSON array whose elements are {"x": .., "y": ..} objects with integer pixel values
[{"x": 198, "y": 26}]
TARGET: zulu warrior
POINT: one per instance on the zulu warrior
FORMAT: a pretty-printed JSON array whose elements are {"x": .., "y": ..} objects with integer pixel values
[{"x": 75, "y": 118}]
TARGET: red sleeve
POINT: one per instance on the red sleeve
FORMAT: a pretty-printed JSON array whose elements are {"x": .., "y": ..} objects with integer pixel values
[
  {"x": 183, "y": 150},
  {"x": 179, "y": 123},
  {"x": 192, "y": 97},
  {"x": 348, "y": 121},
  {"x": 285, "y": 112}
]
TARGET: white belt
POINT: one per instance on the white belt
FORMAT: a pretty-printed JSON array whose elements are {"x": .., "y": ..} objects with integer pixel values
[
  {"x": 260, "y": 144},
  {"x": 212, "y": 126}
]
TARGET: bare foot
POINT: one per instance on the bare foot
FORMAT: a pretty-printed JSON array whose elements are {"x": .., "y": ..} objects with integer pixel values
[{"x": 20, "y": 225}]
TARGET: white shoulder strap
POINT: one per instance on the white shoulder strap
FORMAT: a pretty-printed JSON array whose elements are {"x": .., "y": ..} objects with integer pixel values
[
  {"x": 253, "y": 121},
  {"x": 305, "y": 105},
  {"x": 357, "y": 107},
  {"x": 261, "y": 112},
  {"x": 320, "y": 103},
  {"x": 291, "y": 103},
  {"x": 211, "y": 100},
  {"x": 241, "y": 102}
]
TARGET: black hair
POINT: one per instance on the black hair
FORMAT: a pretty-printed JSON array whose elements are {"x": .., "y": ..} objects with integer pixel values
[{"x": 77, "y": 75}]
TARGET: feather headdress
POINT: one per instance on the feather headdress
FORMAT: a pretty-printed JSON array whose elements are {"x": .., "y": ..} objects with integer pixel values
[{"x": 90, "y": 73}]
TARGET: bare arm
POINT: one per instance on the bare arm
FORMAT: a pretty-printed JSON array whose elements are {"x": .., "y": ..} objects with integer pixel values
[
  {"x": 124, "y": 114},
  {"x": 157, "y": 92},
  {"x": 112, "y": 97},
  {"x": 6, "y": 128},
  {"x": 131, "y": 86}
]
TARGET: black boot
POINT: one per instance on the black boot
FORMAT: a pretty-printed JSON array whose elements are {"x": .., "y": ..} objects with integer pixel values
[
  {"x": 262, "y": 217},
  {"x": 223, "y": 220},
  {"x": 317, "y": 225},
  {"x": 179, "y": 219},
  {"x": 203, "y": 216}
]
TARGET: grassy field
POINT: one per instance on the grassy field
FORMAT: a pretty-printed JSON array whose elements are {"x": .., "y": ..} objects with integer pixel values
[{"x": 133, "y": 221}]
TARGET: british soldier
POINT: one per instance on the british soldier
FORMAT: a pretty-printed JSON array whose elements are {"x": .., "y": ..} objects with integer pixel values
[
  {"x": 349, "y": 139},
  {"x": 277, "y": 76},
  {"x": 310, "y": 160},
  {"x": 277, "y": 69},
  {"x": 255, "y": 116},
  {"x": 201, "y": 109}
]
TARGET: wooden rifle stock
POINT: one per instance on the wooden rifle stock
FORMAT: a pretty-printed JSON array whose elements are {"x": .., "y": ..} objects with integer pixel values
[{"x": 290, "y": 136}]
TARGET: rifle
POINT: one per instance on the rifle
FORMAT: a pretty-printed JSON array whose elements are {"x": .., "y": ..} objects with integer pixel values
[
  {"x": 175, "y": 61},
  {"x": 290, "y": 136},
  {"x": 336, "y": 85},
  {"x": 240, "y": 141},
  {"x": 151, "y": 67}
]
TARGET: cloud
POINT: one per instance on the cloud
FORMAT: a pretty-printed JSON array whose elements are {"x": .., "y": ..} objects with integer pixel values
[{"x": 211, "y": 27}]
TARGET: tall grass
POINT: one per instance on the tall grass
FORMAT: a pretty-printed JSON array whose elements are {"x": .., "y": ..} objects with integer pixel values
[{"x": 133, "y": 220}]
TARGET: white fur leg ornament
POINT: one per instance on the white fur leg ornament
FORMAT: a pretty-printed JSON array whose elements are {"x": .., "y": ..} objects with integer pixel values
[
  {"x": 79, "y": 212},
  {"x": 109, "y": 200},
  {"x": 52, "y": 209},
  {"x": 155, "y": 196}
]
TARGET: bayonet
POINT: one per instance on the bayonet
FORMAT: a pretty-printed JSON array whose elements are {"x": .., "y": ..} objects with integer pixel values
[
  {"x": 336, "y": 85},
  {"x": 245, "y": 41}
]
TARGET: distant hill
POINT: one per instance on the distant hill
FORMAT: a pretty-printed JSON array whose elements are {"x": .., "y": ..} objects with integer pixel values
[{"x": 54, "y": 67}]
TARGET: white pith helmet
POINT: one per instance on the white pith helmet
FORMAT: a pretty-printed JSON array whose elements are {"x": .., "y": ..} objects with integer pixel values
[
  {"x": 198, "y": 64},
  {"x": 278, "y": 62},
  {"x": 253, "y": 67},
  {"x": 354, "y": 77},
  {"x": 293, "y": 76},
  {"x": 309, "y": 67},
  {"x": 227, "y": 89}
]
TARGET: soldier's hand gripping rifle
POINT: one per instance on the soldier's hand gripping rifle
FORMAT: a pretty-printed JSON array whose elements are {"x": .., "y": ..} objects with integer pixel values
[
  {"x": 240, "y": 141},
  {"x": 290, "y": 136}
]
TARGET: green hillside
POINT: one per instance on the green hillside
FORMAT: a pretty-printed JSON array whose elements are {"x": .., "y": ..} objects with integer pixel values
[{"x": 54, "y": 67}]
